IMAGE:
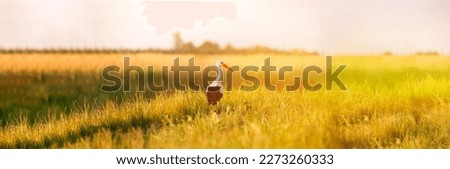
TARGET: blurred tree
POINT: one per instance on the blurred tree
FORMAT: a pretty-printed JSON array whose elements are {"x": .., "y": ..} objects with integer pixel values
[
  {"x": 209, "y": 47},
  {"x": 188, "y": 48},
  {"x": 229, "y": 48},
  {"x": 178, "y": 41},
  {"x": 387, "y": 53}
]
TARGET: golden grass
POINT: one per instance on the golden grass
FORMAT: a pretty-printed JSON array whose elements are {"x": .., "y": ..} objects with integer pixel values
[{"x": 392, "y": 102}]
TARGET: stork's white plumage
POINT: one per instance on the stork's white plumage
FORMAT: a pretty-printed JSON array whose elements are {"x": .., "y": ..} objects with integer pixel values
[{"x": 214, "y": 91}]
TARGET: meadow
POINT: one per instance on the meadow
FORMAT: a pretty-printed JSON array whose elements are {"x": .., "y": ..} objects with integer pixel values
[{"x": 54, "y": 101}]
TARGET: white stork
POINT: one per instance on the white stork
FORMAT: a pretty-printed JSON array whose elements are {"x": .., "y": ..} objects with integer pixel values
[{"x": 214, "y": 91}]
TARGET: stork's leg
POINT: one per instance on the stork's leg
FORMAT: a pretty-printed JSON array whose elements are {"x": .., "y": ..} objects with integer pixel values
[{"x": 218, "y": 108}]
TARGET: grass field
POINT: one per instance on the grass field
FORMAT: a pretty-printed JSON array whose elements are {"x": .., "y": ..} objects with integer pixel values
[{"x": 54, "y": 101}]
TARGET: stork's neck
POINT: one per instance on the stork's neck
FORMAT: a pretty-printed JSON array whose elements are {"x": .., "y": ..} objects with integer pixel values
[{"x": 219, "y": 74}]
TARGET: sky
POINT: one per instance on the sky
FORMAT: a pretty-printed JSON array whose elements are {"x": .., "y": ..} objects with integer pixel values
[{"x": 326, "y": 26}]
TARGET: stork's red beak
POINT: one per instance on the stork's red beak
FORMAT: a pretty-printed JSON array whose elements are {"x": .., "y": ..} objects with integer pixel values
[{"x": 226, "y": 66}]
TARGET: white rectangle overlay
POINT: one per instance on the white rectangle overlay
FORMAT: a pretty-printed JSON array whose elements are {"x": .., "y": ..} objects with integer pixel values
[{"x": 341, "y": 158}]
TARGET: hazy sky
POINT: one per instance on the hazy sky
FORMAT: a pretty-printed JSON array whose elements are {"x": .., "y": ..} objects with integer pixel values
[{"x": 328, "y": 26}]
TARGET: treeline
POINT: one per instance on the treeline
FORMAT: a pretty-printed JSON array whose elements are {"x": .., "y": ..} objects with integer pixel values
[
  {"x": 426, "y": 53},
  {"x": 78, "y": 50},
  {"x": 206, "y": 48},
  {"x": 180, "y": 47},
  {"x": 209, "y": 47}
]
